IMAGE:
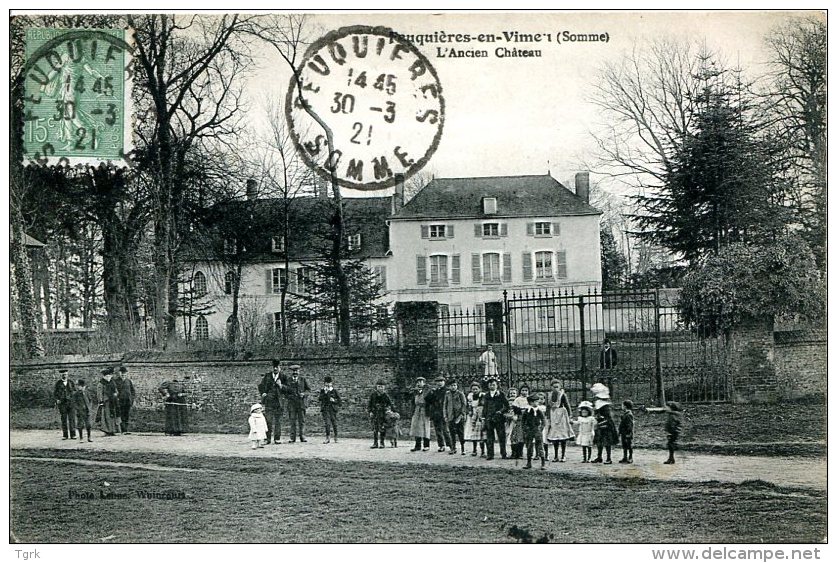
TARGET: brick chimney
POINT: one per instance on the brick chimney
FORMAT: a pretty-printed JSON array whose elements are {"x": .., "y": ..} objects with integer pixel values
[
  {"x": 582, "y": 186},
  {"x": 252, "y": 189},
  {"x": 398, "y": 194}
]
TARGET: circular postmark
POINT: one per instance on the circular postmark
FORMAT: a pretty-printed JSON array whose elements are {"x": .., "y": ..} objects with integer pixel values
[
  {"x": 378, "y": 97},
  {"x": 77, "y": 104}
]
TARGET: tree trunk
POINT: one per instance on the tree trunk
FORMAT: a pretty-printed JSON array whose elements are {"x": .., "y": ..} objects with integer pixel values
[{"x": 26, "y": 301}]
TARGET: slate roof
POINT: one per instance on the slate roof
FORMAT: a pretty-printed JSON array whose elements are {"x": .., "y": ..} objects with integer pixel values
[
  {"x": 517, "y": 196},
  {"x": 309, "y": 228}
]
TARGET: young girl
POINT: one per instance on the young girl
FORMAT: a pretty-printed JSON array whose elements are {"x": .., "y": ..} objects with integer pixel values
[
  {"x": 473, "y": 419},
  {"x": 558, "y": 410},
  {"x": 607, "y": 435},
  {"x": 518, "y": 403},
  {"x": 586, "y": 430},
  {"x": 258, "y": 426},
  {"x": 392, "y": 426}
]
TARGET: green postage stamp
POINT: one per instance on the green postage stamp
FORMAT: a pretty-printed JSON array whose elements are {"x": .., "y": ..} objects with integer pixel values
[{"x": 78, "y": 96}]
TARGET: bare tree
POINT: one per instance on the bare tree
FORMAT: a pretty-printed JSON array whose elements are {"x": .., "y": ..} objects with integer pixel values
[
  {"x": 187, "y": 68},
  {"x": 287, "y": 34},
  {"x": 798, "y": 97}
]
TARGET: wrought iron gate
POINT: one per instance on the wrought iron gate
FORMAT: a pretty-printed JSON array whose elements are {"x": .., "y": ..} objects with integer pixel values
[{"x": 551, "y": 334}]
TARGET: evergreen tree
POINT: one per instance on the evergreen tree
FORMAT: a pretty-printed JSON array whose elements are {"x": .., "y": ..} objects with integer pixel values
[
  {"x": 721, "y": 186},
  {"x": 614, "y": 264}
]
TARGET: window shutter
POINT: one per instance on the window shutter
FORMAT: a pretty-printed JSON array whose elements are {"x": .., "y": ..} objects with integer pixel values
[
  {"x": 449, "y": 231},
  {"x": 454, "y": 269},
  {"x": 561, "y": 264},
  {"x": 268, "y": 288},
  {"x": 383, "y": 276},
  {"x": 556, "y": 229},
  {"x": 425, "y": 231},
  {"x": 507, "y": 268},
  {"x": 421, "y": 270},
  {"x": 504, "y": 229},
  {"x": 477, "y": 230},
  {"x": 530, "y": 229},
  {"x": 480, "y": 315},
  {"x": 292, "y": 280},
  {"x": 476, "y": 275},
  {"x": 527, "y": 266}
]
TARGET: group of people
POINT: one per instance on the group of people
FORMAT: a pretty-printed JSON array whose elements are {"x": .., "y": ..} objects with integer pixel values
[
  {"x": 485, "y": 417},
  {"x": 108, "y": 403}
]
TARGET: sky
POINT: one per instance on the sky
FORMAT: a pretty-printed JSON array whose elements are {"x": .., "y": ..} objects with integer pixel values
[{"x": 523, "y": 116}]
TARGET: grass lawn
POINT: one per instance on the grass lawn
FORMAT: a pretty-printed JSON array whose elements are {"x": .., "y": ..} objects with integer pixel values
[
  {"x": 753, "y": 429},
  {"x": 312, "y": 501}
]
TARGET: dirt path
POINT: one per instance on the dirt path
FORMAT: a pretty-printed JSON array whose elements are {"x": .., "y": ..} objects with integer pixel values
[{"x": 784, "y": 471}]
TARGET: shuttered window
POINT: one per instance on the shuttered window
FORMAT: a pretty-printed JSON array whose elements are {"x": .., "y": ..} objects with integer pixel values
[
  {"x": 454, "y": 269},
  {"x": 527, "y": 266},
  {"x": 507, "y": 268},
  {"x": 438, "y": 270},
  {"x": 561, "y": 264},
  {"x": 421, "y": 270},
  {"x": 476, "y": 277}
]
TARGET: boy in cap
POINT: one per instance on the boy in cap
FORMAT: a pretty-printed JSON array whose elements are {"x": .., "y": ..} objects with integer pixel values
[
  {"x": 626, "y": 431},
  {"x": 377, "y": 407},
  {"x": 456, "y": 408},
  {"x": 674, "y": 425},
  {"x": 533, "y": 420},
  {"x": 63, "y": 394},
  {"x": 125, "y": 398},
  {"x": 84, "y": 402},
  {"x": 329, "y": 405}
]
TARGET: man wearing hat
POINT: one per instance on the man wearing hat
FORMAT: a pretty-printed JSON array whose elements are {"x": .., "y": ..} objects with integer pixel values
[
  {"x": 436, "y": 410},
  {"x": 296, "y": 390},
  {"x": 107, "y": 395},
  {"x": 125, "y": 388},
  {"x": 63, "y": 395},
  {"x": 270, "y": 388},
  {"x": 495, "y": 406}
]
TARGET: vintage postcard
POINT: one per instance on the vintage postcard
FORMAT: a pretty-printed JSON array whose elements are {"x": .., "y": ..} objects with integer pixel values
[{"x": 411, "y": 277}]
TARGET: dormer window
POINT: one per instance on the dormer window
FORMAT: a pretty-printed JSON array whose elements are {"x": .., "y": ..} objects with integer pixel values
[
  {"x": 277, "y": 244},
  {"x": 354, "y": 242},
  {"x": 489, "y": 205}
]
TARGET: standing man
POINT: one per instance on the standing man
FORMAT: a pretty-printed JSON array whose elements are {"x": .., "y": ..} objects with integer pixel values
[
  {"x": 270, "y": 388},
  {"x": 607, "y": 357},
  {"x": 436, "y": 410},
  {"x": 296, "y": 391},
  {"x": 495, "y": 406},
  {"x": 489, "y": 361},
  {"x": 125, "y": 388},
  {"x": 63, "y": 395},
  {"x": 455, "y": 411}
]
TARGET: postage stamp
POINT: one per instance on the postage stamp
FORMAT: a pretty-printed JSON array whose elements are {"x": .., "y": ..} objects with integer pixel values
[
  {"x": 378, "y": 97},
  {"x": 77, "y": 96}
]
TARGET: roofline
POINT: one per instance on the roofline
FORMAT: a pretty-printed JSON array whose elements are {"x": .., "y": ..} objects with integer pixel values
[{"x": 483, "y": 217}]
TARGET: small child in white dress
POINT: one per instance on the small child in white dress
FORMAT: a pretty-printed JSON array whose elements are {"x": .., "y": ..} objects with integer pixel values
[
  {"x": 258, "y": 426},
  {"x": 586, "y": 430}
]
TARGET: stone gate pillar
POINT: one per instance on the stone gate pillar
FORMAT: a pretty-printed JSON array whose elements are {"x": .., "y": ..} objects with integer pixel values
[
  {"x": 417, "y": 349},
  {"x": 751, "y": 352}
]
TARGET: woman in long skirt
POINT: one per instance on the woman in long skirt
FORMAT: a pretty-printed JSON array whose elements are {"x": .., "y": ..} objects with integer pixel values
[
  {"x": 559, "y": 428},
  {"x": 106, "y": 393},
  {"x": 473, "y": 418},
  {"x": 175, "y": 399},
  {"x": 420, "y": 423}
]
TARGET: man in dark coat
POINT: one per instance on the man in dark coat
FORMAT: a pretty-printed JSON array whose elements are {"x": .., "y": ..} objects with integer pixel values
[
  {"x": 607, "y": 357},
  {"x": 270, "y": 388},
  {"x": 63, "y": 395},
  {"x": 455, "y": 411},
  {"x": 296, "y": 390},
  {"x": 436, "y": 411},
  {"x": 495, "y": 406},
  {"x": 125, "y": 388}
]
